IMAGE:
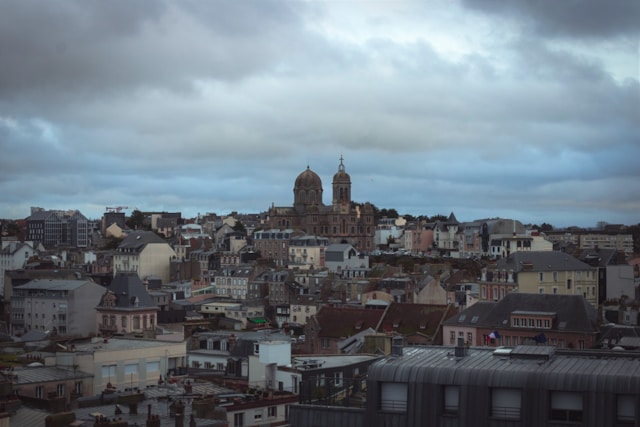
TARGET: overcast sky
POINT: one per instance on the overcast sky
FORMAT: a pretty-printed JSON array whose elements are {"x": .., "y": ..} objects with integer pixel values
[{"x": 521, "y": 109}]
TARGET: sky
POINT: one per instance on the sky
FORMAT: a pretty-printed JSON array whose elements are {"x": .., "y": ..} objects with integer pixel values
[{"x": 526, "y": 110}]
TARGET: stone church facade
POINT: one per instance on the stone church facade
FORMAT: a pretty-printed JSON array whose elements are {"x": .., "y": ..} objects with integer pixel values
[{"x": 342, "y": 221}]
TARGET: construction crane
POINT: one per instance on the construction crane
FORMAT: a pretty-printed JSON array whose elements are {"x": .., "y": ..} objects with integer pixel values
[{"x": 116, "y": 208}]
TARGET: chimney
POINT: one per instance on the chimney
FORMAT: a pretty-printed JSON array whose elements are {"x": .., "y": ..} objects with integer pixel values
[
  {"x": 397, "y": 345},
  {"x": 461, "y": 349}
]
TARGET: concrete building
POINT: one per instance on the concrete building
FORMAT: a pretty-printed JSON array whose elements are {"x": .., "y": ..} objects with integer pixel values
[
  {"x": 14, "y": 255},
  {"x": 342, "y": 256},
  {"x": 144, "y": 253},
  {"x": 63, "y": 307},
  {"x": 485, "y": 387},
  {"x": 58, "y": 228},
  {"x": 545, "y": 272}
]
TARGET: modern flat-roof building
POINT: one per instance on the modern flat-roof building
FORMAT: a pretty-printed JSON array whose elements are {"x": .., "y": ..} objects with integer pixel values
[{"x": 519, "y": 386}]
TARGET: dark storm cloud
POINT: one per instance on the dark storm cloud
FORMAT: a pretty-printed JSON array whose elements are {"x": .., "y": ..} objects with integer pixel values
[{"x": 568, "y": 18}]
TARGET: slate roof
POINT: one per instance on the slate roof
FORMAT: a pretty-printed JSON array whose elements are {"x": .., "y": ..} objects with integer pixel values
[
  {"x": 127, "y": 287},
  {"x": 137, "y": 240},
  {"x": 54, "y": 284},
  {"x": 541, "y": 261},
  {"x": 43, "y": 374},
  {"x": 598, "y": 257},
  {"x": 410, "y": 318},
  {"x": 573, "y": 312},
  {"x": 342, "y": 322}
]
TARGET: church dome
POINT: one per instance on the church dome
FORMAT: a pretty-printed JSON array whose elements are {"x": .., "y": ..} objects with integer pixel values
[{"x": 308, "y": 180}]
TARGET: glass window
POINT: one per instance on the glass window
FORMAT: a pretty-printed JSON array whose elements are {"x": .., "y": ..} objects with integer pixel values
[
  {"x": 566, "y": 406},
  {"x": 626, "y": 408},
  {"x": 393, "y": 397},
  {"x": 131, "y": 368},
  {"x": 506, "y": 403},
  {"x": 153, "y": 366},
  {"x": 451, "y": 399}
]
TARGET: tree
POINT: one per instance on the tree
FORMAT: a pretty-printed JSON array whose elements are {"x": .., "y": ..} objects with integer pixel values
[
  {"x": 438, "y": 217},
  {"x": 136, "y": 220},
  {"x": 546, "y": 227},
  {"x": 238, "y": 226}
]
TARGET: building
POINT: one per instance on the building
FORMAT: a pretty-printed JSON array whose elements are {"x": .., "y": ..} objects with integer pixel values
[
  {"x": 58, "y": 228},
  {"x": 342, "y": 256},
  {"x": 14, "y": 255},
  {"x": 144, "y": 253},
  {"x": 120, "y": 363},
  {"x": 341, "y": 221},
  {"x": 63, "y": 307},
  {"x": 307, "y": 252},
  {"x": 126, "y": 308},
  {"x": 546, "y": 272},
  {"x": 524, "y": 386},
  {"x": 558, "y": 320}
]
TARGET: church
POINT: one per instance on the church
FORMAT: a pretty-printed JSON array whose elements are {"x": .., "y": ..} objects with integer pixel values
[{"x": 342, "y": 221}]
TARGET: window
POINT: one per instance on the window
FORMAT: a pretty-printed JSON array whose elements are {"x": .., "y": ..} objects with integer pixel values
[
  {"x": 626, "y": 408},
  {"x": 257, "y": 415},
  {"x": 516, "y": 321},
  {"x": 272, "y": 411},
  {"x": 469, "y": 337},
  {"x": 238, "y": 419},
  {"x": 566, "y": 406},
  {"x": 123, "y": 321},
  {"x": 393, "y": 397},
  {"x": 109, "y": 371},
  {"x": 60, "y": 390},
  {"x": 39, "y": 392},
  {"x": 547, "y": 324},
  {"x": 555, "y": 276},
  {"x": 77, "y": 388},
  {"x": 131, "y": 368},
  {"x": 541, "y": 277},
  {"x": 451, "y": 399},
  {"x": 506, "y": 403},
  {"x": 153, "y": 366},
  {"x": 452, "y": 337}
]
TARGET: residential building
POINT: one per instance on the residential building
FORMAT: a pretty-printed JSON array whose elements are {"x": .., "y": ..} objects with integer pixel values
[
  {"x": 341, "y": 221},
  {"x": 519, "y": 318},
  {"x": 121, "y": 363},
  {"x": 126, "y": 308},
  {"x": 58, "y": 228},
  {"x": 233, "y": 282},
  {"x": 144, "y": 253},
  {"x": 307, "y": 252},
  {"x": 51, "y": 386},
  {"x": 549, "y": 273},
  {"x": 14, "y": 255},
  {"x": 274, "y": 244},
  {"x": 342, "y": 256},
  {"x": 615, "y": 275},
  {"x": 63, "y": 307}
]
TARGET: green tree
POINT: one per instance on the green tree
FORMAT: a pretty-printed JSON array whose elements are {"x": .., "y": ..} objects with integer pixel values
[
  {"x": 136, "y": 220},
  {"x": 238, "y": 226}
]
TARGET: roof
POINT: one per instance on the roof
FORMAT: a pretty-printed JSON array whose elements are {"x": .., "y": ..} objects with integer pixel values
[
  {"x": 137, "y": 240},
  {"x": 130, "y": 293},
  {"x": 541, "y": 261},
  {"x": 573, "y": 312},
  {"x": 407, "y": 318},
  {"x": 43, "y": 374},
  {"x": 55, "y": 284},
  {"x": 342, "y": 322},
  {"x": 512, "y": 368},
  {"x": 117, "y": 344}
]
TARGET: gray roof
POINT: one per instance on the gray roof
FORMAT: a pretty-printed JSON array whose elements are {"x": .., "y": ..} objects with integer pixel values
[
  {"x": 43, "y": 374},
  {"x": 573, "y": 312},
  {"x": 127, "y": 287},
  {"x": 137, "y": 240},
  {"x": 542, "y": 261},
  {"x": 55, "y": 284},
  {"x": 541, "y": 367}
]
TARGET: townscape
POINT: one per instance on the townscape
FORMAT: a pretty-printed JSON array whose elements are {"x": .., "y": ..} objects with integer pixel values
[{"x": 316, "y": 314}]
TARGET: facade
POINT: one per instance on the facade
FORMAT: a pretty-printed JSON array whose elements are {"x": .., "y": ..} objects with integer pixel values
[
  {"x": 342, "y": 256},
  {"x": 307, "y": 252},
  {"x": 14, "y": 255},
  {"x": 233, "y": 282},
  {"x": 64, "y": 307},
  {"x": 120, "y": 364},
  {"x": 51, "y": 382},
  {"x": 126, "y": 307},
  {"x": 58, "y": 228},
  {"x": 565, "y": 321},
  {"x": 554, "y": 273},
  {"x": 144, "y": 253},
  {"x": 340, "y": 221},
  {"x": 273, "y": 244}
]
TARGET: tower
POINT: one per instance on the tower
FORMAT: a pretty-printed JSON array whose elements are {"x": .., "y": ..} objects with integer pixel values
[{"x": 342, "y": 189}]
